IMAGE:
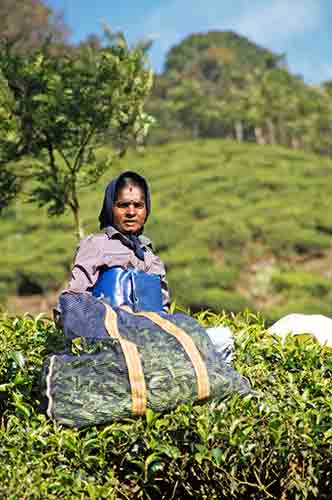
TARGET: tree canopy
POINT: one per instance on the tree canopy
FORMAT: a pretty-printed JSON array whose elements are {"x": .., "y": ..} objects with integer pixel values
[
  {"x": 29, "y": 23},
  {"x": 226, "y": 46},
  {"x": 221, "y": 84},
  {"x": 9, "y": 128},
  {"x": 67, "y": 106}
]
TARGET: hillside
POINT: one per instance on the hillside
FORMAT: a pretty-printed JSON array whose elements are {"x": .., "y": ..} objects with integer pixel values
[
  {"x": 238, "y": 226},
  {"x": 236, "y": 49},
  {"x": 220, "y": 84}
]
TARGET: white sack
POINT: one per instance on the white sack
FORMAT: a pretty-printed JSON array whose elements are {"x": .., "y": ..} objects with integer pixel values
[{"x": 315, "y": 324}]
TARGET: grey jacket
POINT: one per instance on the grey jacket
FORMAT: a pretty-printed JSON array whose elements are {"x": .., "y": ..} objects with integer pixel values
[{"x": 108, "y": 249}]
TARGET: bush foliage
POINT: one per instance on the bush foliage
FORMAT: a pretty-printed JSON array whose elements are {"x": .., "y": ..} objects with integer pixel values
[{"x": 275, "y": 443}]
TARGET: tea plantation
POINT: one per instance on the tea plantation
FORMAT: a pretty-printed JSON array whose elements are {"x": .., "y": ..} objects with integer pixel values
[
  {"x": 237, "y": 225},
  {"x": 275, "y": 443}
]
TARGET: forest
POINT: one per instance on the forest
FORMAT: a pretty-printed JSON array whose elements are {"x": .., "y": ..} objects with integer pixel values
[{"x": 220, "y": 84}]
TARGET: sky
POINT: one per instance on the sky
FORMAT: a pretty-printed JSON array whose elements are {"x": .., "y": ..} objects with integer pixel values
[{"x": 300, "y": 29}]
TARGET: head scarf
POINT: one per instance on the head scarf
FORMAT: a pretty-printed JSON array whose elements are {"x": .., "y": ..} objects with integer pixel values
[{"x": 106, "y": 214}]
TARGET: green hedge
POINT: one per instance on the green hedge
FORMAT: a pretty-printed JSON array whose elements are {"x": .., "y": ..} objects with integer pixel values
[
  {"x": 276, "y": 443},
  {"x": 299, "y": 281},
  {"x": 223, "y": 212}
]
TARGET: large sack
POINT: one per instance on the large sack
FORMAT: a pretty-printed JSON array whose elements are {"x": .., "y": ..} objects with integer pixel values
[
  {"x": 316, "y": 325},
  {"x": 131, "y": 362}
]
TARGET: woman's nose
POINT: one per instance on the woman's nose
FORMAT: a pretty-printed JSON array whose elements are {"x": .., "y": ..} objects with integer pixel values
[{"x": 131, "y": 209}]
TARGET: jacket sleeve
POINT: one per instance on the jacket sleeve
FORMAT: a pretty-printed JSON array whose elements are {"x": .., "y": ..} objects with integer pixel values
[{"x": 85, "y": 270}]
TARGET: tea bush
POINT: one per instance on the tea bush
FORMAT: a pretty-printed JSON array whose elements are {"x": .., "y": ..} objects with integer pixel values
[
  {"x": 275, "y": 443},
  {"x": 218, "y": 207},
  {"x": 317, "y": 286}
]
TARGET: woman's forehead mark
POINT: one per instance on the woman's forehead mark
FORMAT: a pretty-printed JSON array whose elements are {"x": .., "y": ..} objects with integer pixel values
[{"x": 130, "y": 188}]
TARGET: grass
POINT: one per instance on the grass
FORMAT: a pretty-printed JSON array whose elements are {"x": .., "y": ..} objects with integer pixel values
[{"x": 238, "y": 225}]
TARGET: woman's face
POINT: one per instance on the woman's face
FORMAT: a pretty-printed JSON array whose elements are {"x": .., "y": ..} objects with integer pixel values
[{"x": 129, "y": 210}]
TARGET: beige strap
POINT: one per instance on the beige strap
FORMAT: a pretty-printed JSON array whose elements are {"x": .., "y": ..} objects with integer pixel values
[
  {"x": 133, "y": 362},
  {"x": 203, "y": 384}
]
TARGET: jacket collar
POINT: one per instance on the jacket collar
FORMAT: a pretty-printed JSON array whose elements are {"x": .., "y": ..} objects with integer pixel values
[{"x": 111, "y": 232}]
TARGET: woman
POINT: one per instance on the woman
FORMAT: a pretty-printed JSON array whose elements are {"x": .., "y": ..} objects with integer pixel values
[{"x": 125, "y": 210}]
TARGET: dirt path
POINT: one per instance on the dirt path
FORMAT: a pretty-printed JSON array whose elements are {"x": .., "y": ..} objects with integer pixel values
[{"x": 32, "y": 304}]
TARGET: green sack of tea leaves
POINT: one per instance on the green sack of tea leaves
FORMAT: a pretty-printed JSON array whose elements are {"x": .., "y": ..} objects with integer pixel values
[{"x": 130, "y": 362}]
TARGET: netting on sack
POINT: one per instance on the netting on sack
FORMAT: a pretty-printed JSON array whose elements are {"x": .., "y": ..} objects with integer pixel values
[{"x": 135, "y": 361}]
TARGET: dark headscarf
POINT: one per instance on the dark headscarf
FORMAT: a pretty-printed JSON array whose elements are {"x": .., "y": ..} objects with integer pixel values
[{"x": 106, "y": 214}]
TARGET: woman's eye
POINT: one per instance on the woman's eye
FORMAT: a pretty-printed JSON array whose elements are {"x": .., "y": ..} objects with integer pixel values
[{"x": 124, "y": 206}]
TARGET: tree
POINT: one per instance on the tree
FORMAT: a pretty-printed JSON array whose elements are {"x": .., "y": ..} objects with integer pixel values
[
  {"x": 236, "y": 103},
  {"x": 187, "y": 101},
  {"x": 327, "y": 87},
  {"x": 9, "y": 182},
  {"x": 268, "y": 93},
  {"x": 28, "y": 24},
  {"x": 68, "y": 106},
  {"x": 318, "y": 133}
]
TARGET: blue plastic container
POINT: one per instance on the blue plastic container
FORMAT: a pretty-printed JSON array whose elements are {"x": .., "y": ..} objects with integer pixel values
[{"x": 137, "y": 289}]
